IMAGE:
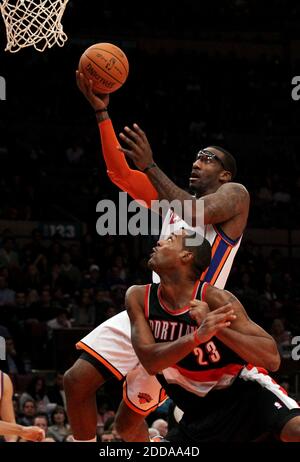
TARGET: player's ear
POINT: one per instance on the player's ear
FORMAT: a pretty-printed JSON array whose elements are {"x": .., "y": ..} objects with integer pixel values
[
  {"x": 225, "y": 176},
  {"x": 186, "y": 256}
]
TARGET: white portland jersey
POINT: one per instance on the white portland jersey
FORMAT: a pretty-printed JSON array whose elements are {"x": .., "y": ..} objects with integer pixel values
[{"x": 223, "y": 249}]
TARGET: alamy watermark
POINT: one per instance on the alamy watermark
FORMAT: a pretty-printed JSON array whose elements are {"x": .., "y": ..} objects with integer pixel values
[
  {"x": 2, "y": 88},
  {"x": 296, "y": 350},
  {"x": 133, "y": 217},
  {"x": 2, "y": 349},
  {"x": 296, "y": 89}
]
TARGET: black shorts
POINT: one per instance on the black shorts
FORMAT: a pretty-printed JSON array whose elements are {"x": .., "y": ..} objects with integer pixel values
[{"x": 246, "y": 411}]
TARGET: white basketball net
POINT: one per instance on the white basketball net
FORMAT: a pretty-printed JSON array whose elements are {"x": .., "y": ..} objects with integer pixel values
[{"x": 33, "y": 23}]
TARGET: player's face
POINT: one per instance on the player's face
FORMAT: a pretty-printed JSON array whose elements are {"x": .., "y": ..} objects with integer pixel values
[
  {"x": 206, "y": 170},
  {"x": 166, "y": 253}
]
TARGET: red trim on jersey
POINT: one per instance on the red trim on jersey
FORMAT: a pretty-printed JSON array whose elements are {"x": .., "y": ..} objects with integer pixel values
[
  {"x": 212, "y": 375},
  {"x": 261, "y": 370},
  {"x": 146, "y": 300},
  {"x": 204, "y": 289},
  {"x": 179, "y": 311}
]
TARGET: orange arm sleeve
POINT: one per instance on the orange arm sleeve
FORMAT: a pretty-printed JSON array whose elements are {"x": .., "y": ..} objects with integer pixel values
[{"x": 134, "y": 182}]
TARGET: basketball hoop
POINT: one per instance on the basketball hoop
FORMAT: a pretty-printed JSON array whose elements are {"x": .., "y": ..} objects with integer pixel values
[{"x": 34, "y": 23}]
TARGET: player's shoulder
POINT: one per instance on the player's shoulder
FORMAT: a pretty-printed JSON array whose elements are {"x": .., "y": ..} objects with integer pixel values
[
  {"x": 136, "y": 291},
  {"x": 237, "y": 189},
  {"x": 215, "y": 297}
]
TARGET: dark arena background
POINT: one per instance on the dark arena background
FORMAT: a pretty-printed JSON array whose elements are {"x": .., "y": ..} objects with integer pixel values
[{"x": 201, "y": 73}]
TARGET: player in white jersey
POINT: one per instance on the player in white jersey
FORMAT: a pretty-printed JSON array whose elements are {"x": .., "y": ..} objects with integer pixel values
[{"x": 107, "y": 350}]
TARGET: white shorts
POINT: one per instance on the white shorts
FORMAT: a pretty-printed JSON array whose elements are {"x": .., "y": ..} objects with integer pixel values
[{"x": 110, "y": 344}]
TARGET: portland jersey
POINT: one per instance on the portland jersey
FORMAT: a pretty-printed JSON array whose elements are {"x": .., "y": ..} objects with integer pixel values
[
  {"x": 211, "y": 365},
  {"x": 224, "y": 249}
]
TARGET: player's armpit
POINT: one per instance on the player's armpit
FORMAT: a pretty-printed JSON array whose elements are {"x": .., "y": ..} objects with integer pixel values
[{"x": 135, "y": 183}]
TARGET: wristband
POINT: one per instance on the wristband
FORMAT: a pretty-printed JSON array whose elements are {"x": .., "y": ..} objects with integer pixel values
[
  {"x": 149, "y": 167},
  {"x": 101, "y": 110}
]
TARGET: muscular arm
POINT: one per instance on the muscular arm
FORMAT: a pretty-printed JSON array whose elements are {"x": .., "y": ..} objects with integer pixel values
[
  {"x": 228, "y": 201},
  {"x": 29, "y": 433},
  {"x": 135, "y": 183},
  {"x": 6, "y": 407},
  {"x": 154, "y": 356},
  {"x": 158, "y": 356},
  {"x": 245, "y": 337}
]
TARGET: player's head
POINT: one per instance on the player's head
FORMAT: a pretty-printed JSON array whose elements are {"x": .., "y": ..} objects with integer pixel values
[
  {"x": 178, "y": 254},
  {"x": 212, "y": 167}
]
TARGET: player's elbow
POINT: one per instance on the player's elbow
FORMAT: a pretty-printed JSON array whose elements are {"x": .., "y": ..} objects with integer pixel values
[
  {"x": 151, "y": 367},
  {"x": 149, "y": 364},
  {"x": 120, "y": 180},
  {"x": 272, "y": 359},
  {"x": 274, "y": 363}
]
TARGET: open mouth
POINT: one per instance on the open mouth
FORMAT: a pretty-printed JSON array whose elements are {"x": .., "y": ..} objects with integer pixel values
[{"x": 194, "y": 176}]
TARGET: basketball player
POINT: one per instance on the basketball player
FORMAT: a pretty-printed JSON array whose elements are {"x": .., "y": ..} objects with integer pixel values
[
  {"x": 107, "y": 350},
  {"x": 215, "y": 373},
  {"x": 8, "y": 426}
]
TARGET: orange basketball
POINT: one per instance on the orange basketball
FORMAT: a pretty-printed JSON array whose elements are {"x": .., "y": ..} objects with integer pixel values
[{"x": 106, "y": 65}]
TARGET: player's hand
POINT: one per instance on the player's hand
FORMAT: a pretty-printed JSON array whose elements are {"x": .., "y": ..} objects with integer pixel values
[
  {"x": 214, "y": 321},
  {"x": 139, "y": 149},
  {"x": 32, "y": 433},
  {"x": 198, "y": 311},
  {"x": 97, "y": 101}
]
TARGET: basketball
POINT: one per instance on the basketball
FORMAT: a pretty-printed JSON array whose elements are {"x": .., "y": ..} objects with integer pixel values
[{"x": 106, "y": 65}]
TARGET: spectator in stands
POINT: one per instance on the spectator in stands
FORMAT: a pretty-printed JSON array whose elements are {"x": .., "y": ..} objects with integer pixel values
[
  {"x": 7, "y": 296},
  {"x": 37, "y": 392},
  {"x": 61, "y": 321},
  {"x": 13, "y": 364},
  {"x": 84, "y": 312},
  {"x": 56, "y": 393},
  {"x": 41, "y": 421},
  {"x": 59, "y": 428},
  {"x": 161, "y": 426},
  {"x": 28, "y": 413},
  {"x": 70, "y": 276},
  {"x": 9, "y": 258}
]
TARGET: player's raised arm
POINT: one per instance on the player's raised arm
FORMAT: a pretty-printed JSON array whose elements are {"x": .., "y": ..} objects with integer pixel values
[
  {"x": 158, "y": 356},
  {"x": 250, "y": 341},
  {"x": 135, "y": 183},
  {"x": 226, "y": 199}
]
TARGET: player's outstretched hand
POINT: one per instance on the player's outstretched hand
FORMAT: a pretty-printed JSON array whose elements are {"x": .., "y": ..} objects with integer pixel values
[
  {"x": 214, "y": 321},
  {"x": 97, "y": 101},
  {"x": 139, "y": 149},
  {"x": 32, "y": 433}
]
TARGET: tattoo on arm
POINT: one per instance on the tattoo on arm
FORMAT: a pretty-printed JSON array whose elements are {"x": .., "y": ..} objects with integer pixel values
[{"x": 165, "y": 187}]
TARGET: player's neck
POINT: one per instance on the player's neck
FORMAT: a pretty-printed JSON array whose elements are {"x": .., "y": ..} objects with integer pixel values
[{"x": 176, "y": 292}]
